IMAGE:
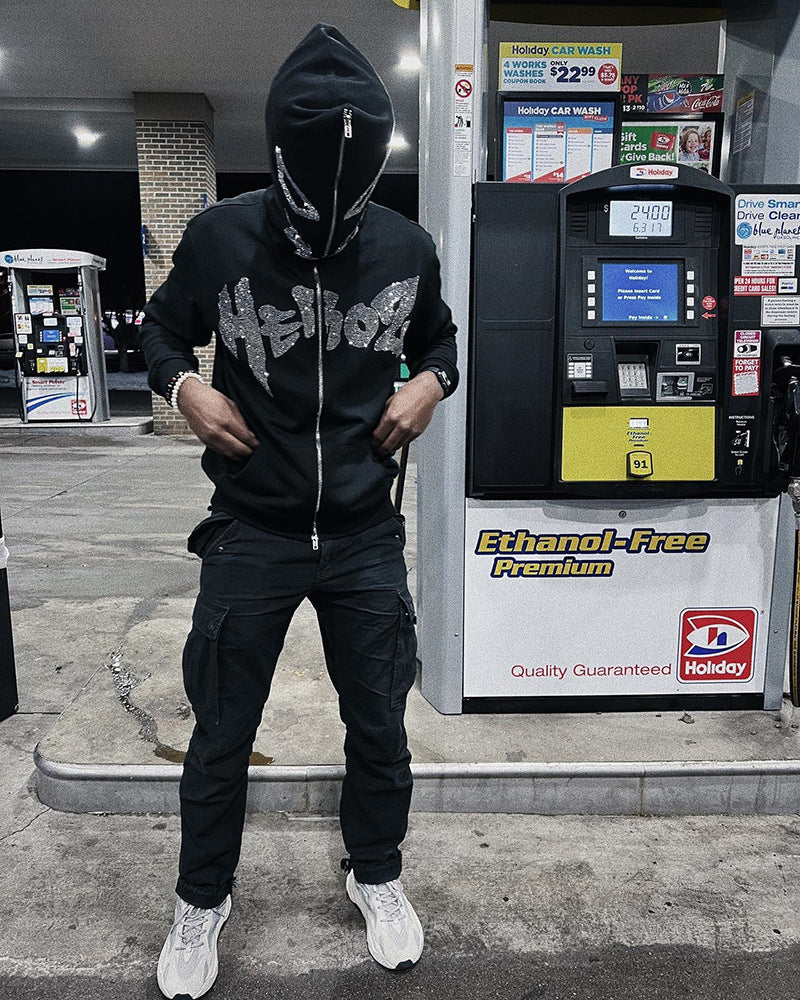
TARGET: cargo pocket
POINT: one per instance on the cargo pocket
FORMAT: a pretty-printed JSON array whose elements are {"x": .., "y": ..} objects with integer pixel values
[
  {"x": 200, "y": 661},
  {"x": 405, "y": 664},
  {"x": 210, "y": 532}
]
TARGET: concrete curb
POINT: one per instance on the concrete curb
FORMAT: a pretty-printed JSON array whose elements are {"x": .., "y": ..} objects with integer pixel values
[
  {"x": 13, "y": 428},
  {"x": 659, "y": 788}
]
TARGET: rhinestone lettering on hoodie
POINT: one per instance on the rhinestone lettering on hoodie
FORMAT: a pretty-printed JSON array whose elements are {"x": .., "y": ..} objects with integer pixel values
[
  {"x": 242, "y": 327},
  {"x": 382, "y": 324}
]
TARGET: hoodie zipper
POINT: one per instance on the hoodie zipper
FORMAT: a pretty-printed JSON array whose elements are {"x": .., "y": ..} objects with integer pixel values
[
  {"x": 318, "y": 438},
  {"x": 347, "y": 133}
]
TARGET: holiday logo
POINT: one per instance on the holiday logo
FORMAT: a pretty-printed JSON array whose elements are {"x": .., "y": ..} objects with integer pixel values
[
  {"x": 653, "y": 171},
  {"x": 716, "y": 645}
]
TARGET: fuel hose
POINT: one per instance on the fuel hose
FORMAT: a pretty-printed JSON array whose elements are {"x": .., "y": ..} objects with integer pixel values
[
  {"x": 793, "y": 490},
  {"x": 401, "y": 480}
]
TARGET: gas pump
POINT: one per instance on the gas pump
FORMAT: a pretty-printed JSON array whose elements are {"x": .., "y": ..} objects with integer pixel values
[
  {"x": 55, "y": 299},
  {"x": 624, "y": 538}
]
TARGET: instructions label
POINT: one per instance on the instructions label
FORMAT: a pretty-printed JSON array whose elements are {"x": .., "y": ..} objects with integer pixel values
[
  {"x": 567, "y": 66},
  {"x": 780, "y": 311},
  {"x": 768, "y": 260}
]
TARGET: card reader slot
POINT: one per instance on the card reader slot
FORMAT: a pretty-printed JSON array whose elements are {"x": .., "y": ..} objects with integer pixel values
[{"x": 587, "y": 387}]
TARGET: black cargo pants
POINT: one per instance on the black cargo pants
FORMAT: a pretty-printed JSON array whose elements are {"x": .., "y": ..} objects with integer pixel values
[{"x": 251, "y": 584}]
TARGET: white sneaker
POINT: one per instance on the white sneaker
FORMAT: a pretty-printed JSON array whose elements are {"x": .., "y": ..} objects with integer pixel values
[
  {"x": 394, "y": 933},
  {"x": 187, "y": 966}
]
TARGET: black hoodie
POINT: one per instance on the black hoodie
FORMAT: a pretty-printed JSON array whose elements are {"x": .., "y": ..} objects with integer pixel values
[{"x": 314, "y": 293}]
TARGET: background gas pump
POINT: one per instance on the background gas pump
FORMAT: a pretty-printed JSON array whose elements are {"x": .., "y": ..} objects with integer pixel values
[{"x": 55, "y": 299}]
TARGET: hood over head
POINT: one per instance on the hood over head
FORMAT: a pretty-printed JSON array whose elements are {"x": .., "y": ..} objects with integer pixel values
[{"x": 329, "y": 121}]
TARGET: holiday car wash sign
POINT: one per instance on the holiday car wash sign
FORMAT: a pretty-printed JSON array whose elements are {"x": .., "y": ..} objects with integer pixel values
[
  {"x": 568, "y": 66},
  {"x": 570, "y": 599}
]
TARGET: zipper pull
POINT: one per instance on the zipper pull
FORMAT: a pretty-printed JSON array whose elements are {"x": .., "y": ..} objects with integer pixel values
[
  {"x": 315, "y": 541},
  {"x": 347, "y": 114}
]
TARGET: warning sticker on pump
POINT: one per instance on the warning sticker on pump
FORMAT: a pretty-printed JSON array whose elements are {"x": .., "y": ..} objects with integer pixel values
[
  {"x": 780, "y": 311},
  {"x": 746, "y": 376},
  {"x": 23, "y": 323},
  {"x": 747, "y": 343},
  {"x": 463, "y": 97}
]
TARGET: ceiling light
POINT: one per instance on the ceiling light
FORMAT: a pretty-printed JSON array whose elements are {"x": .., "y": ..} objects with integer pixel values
[
  {"x": 398, "y": 141},
  {"x": 85, "y": 136},
  {"x": 409, "y": 63}
]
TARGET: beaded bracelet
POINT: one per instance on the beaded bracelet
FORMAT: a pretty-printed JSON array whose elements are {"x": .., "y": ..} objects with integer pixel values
[{"x": 175, "y": 383}]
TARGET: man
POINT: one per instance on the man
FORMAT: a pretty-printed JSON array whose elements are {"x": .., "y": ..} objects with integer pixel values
[{"x": 314, "y": 294}]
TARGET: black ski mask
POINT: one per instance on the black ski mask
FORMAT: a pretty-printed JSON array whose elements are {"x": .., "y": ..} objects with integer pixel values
[{"x": 329, "y": 122}]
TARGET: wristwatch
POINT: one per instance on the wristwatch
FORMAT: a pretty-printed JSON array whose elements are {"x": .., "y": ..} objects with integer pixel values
[{"x": 443, "y": 379}]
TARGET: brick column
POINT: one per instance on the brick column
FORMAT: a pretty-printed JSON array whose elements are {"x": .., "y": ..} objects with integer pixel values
[{"x": 177, "y": 179}]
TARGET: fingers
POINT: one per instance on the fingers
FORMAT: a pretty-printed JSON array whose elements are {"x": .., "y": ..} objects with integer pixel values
[
  {"x": 229, "y": 445},
  {"x": 239, "y": 429},
  {"x": 390, "y": 435},
  {"x": 382, "y": 431}
]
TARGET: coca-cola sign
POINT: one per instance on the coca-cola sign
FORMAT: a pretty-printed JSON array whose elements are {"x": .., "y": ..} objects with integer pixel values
[
  {"x": 703, "y": 102},
  {"x": 676, "y": 95}
]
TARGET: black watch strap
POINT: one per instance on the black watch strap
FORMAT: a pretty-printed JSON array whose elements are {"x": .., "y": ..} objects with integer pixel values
[{"x": 443, "y": 379}]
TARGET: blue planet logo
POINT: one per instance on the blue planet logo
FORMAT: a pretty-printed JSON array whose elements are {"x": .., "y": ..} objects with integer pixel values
[
  {"x": 8, "y": 259},
  {"x": 744, "y": 230}
]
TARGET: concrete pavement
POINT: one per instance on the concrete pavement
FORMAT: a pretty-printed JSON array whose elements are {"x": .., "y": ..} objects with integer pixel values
[{"x": 515, "y": 906}]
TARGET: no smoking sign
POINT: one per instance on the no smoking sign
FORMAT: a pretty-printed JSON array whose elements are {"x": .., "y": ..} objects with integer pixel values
[{"x": 463, "y": 88}]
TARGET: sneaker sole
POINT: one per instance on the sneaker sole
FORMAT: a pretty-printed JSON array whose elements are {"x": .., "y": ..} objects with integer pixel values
[
  {"x": 356, "y": 900},
  {"x": 188, "y": 996}
]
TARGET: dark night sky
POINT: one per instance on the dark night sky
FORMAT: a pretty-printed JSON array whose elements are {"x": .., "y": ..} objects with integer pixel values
[{"x": 99, "y": 212}]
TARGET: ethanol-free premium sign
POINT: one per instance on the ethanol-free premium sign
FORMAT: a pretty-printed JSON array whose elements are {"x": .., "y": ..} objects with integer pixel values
[{"x": 582, "y": 598}]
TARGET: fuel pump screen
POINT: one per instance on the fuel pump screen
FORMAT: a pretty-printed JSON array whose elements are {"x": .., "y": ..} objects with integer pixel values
[
  {"x": 640, "y": 218},
  {"x": 640, "y": 293}
]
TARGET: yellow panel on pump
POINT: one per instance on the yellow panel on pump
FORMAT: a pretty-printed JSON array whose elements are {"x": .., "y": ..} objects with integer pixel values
[{"x": 614, "y": 444}]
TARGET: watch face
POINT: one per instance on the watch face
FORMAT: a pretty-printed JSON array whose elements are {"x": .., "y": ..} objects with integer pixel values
[{"x": 444, "y": 381}]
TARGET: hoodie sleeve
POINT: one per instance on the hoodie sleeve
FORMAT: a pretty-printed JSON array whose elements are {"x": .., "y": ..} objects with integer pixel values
[
  {"x": 173, "y": 321},
  {"x": 431, "y": 338}
]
